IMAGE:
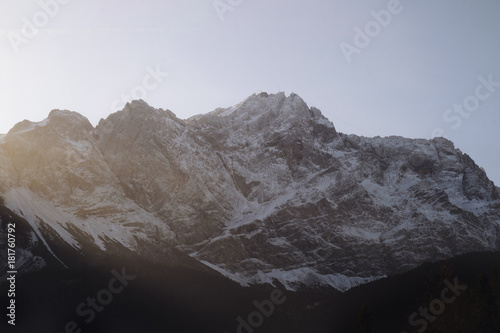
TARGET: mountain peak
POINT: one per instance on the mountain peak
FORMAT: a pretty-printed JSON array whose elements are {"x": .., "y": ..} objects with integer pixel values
[
  {"x": 66, "y": 117},
  {"x": 138, "y": 104},
  {"x": 57, "y": 113},
  {"x": 140, "y": 107},
  {"x": 275, "y": 108},
  {"x": 25, "y": 126}
]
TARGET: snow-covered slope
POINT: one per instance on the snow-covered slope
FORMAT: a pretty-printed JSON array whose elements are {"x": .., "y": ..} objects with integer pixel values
[
  {"x": 263, "y": 191},
  {"x": 54, "y": 175},
  {"x": 326, "y": 203}
]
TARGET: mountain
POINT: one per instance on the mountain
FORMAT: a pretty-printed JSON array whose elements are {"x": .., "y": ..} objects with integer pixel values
[{"x": 266, "y": 191}]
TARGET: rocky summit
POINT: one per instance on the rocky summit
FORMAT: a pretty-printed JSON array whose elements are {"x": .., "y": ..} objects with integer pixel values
[{"x": 266, "y": 191}]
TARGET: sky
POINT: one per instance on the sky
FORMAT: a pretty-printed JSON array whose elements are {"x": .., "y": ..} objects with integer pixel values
[{"x": 413, "y": 68}]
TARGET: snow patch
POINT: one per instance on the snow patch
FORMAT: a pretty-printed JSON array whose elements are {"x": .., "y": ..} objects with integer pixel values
[
  {"x": 364, "y": 234},
  {"x": 24, "y": 203},
  {"x": 37, "y": 211},
  {"x": 227, "y": 274},
  {"x": 80, "y": 146},
  {"x": 292, "y": 279}
]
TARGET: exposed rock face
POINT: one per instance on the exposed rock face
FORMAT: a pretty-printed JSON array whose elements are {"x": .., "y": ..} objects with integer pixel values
[
  {"x": 57, "y": 178},
  {"x": 168, "y": 169},
  {"x": 263, "y": 190}
]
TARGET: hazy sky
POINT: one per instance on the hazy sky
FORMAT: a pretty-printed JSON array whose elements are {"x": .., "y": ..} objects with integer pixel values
[{"x": 372, "y": 67}]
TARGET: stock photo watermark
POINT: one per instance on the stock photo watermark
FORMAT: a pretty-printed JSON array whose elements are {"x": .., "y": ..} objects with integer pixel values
[
  {"x": 150, "y": 82},
  {"x": 11, "y": 270},
  {"x": 223, "y": 6},
  {"x": 265, "y": 309},
  {"x": 372, "y": 29},
  {"x": 30, "y": 28},
  {"x": 437, "y": 306},
  {"x": 460, "y": 111},
  {"x": 103, "y": 298}
]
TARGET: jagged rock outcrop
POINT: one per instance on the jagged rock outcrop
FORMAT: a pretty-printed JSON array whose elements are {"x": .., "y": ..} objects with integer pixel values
[{"x": 264, "y": 190}]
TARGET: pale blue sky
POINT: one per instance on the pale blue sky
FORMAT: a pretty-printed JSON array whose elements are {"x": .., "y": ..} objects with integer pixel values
[{"x": 425, "y": 60}]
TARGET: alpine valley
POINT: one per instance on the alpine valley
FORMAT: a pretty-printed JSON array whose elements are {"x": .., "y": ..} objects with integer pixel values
[{"x": 216, "y": 211}]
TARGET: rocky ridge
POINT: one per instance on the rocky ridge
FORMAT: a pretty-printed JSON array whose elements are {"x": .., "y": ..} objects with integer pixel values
[{"x": 264, "y": 191}]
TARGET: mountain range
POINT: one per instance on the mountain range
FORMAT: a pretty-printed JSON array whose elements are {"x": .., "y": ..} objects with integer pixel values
[
  {"x": 266, "y": 191},
  {"x": 214, "y": 213}
]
